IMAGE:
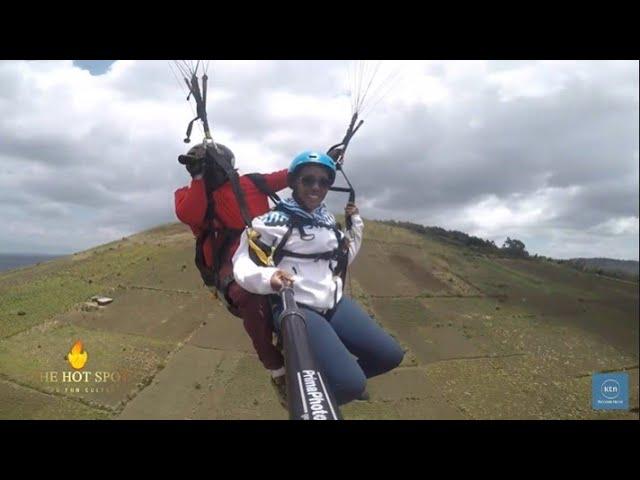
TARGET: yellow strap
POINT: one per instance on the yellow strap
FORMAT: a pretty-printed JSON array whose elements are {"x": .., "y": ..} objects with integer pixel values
[{"x": 252, "y": 235}]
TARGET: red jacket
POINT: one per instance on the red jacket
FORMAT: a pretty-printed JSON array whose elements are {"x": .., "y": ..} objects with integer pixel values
[{"x": 191, "y": 206}]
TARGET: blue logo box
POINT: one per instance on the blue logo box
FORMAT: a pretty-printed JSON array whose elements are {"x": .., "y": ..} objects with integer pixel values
[{"x": 610, "y": 391}]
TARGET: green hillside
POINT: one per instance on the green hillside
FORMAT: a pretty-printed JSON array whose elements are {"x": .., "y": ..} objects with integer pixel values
[{"x": 486, "y": 337}]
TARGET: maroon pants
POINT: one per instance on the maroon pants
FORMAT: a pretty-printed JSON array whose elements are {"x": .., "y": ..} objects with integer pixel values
[{"x": 256, "y": 318}]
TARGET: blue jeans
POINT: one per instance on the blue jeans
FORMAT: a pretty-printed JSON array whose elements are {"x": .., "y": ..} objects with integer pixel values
[{"x": 349, "y": 347}]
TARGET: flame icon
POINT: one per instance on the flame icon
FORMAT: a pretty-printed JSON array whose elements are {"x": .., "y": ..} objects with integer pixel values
[{"x": 77, "y": 358}]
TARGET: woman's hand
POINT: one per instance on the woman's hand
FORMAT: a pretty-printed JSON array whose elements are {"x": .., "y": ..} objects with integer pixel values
[
  {"x": 281, "y": 279},
  {"x": 351, "y": 209},
  {"x": 345, "y": 244}
]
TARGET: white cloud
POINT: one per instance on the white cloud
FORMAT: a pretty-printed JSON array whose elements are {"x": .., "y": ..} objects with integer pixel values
[
  {"x": 87, "y": 159},
  {"x": 491, "y": 215},
  {"x": 532, "y": 80},
  {"x": 618, "y": 226}
]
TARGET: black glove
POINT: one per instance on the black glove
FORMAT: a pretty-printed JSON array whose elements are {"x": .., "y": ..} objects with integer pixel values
[
  {"x": 336, "y": 153},
  {"x": 195, "y": 166}
]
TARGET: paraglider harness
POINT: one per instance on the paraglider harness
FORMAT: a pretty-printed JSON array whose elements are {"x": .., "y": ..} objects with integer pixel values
[
  {"x": 222, "y": 237},
  {"x": 272, "y": 255},
  {"x": 218, "y": 170}
]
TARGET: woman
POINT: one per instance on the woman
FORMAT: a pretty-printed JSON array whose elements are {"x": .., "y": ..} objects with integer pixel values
[{"x": 349, "y": 346}]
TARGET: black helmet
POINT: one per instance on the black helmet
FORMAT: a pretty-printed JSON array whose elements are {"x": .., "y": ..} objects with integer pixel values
[
  {"x": 219, "y": 151},
  {"x": 198, "y": 152}
]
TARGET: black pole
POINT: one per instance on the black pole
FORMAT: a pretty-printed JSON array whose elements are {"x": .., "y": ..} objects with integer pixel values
[{"x": 308, "y": 393}]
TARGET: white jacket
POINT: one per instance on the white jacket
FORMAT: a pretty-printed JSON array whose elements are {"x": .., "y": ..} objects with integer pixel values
[{"x": 314, "y": 285}]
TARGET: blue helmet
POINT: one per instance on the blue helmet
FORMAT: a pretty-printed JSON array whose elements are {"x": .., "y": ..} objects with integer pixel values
[{"x": 310, "y": 157}]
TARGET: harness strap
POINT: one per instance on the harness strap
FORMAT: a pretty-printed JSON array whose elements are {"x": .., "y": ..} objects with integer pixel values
[{"x": 210, "y": 275}]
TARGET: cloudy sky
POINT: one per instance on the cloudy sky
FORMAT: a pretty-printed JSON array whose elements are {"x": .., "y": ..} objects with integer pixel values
[{"x": 543, "y": 151}]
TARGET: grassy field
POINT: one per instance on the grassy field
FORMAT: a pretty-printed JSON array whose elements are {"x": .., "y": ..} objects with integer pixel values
[{"x": 485, "y": 338}]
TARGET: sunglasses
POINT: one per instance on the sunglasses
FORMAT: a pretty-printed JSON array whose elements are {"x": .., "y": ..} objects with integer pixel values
[{"x": 309, "y": 181}]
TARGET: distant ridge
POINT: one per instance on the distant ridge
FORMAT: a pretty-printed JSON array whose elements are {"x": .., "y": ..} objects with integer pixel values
[{"x": 9, "y": 261}]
